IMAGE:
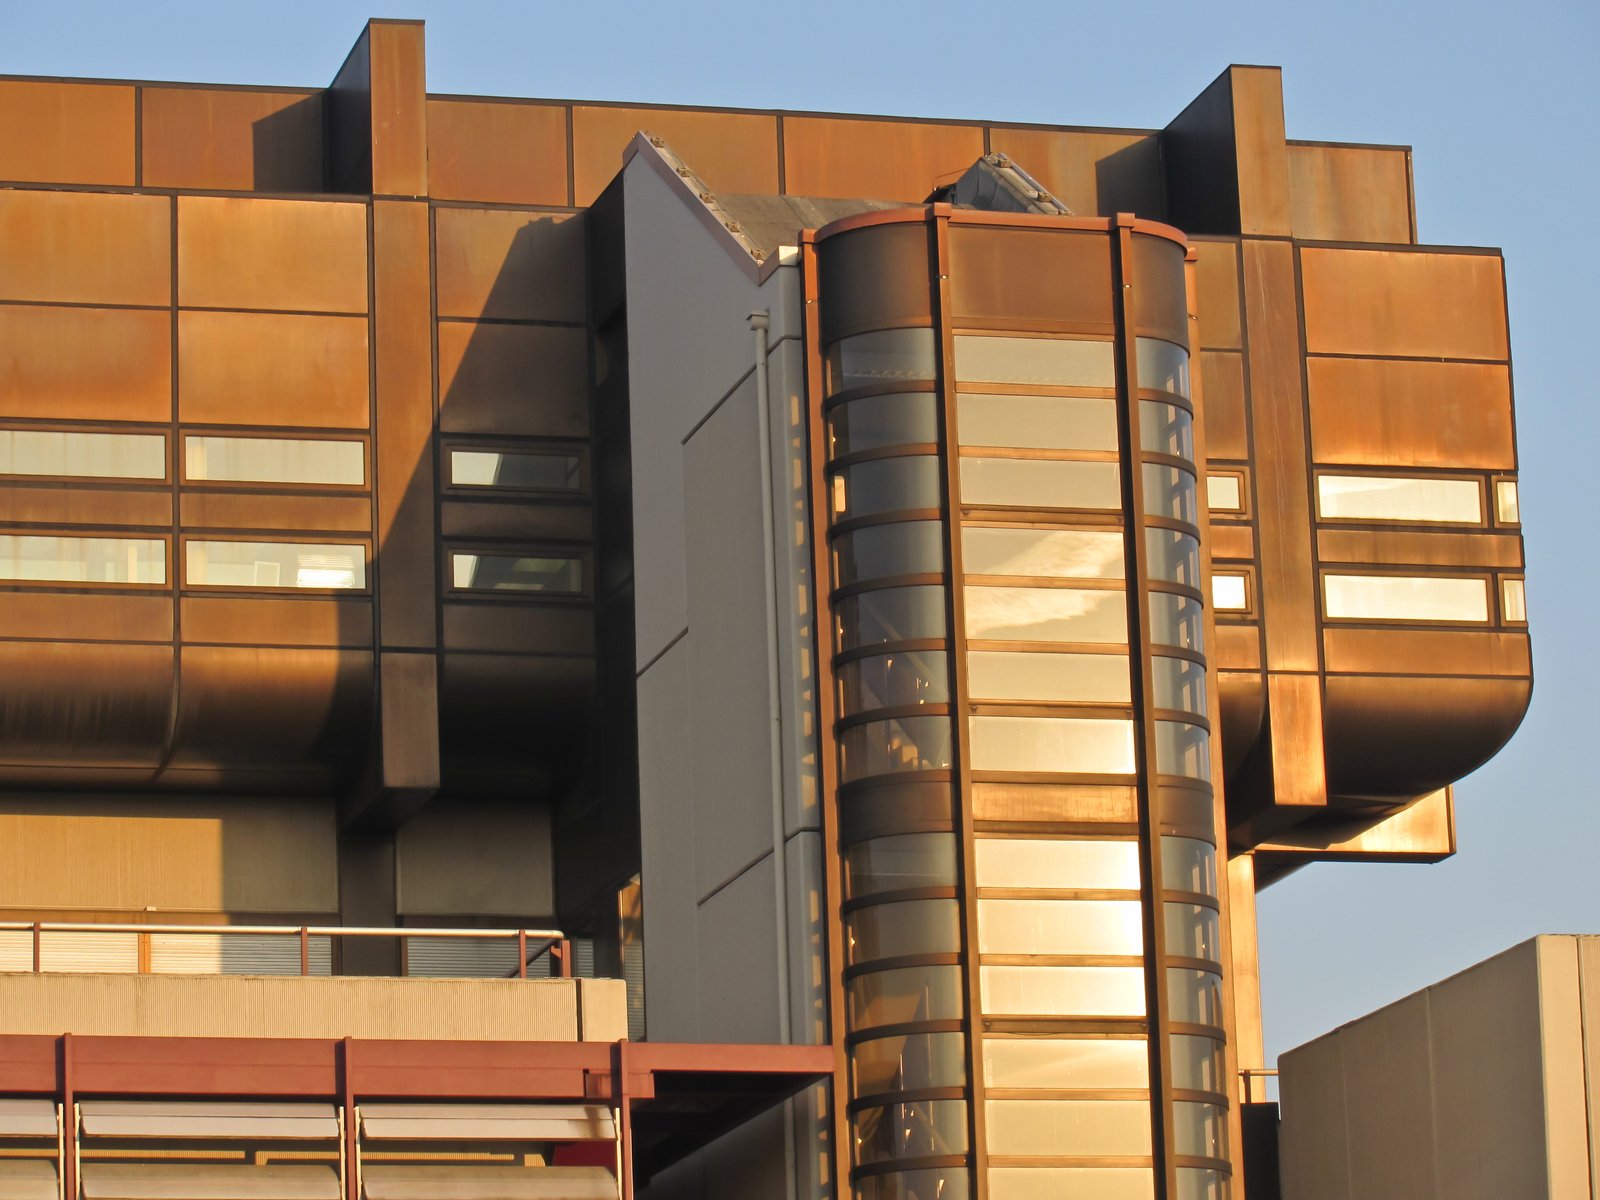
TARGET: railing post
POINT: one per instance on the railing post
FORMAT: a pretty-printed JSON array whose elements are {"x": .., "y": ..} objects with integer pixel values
[
  {"x": 305, "y": 950},
  {"x": 37, "y": 956},
  {"x": 566, "y": 958},
  {"x": 522, "y": 954}
]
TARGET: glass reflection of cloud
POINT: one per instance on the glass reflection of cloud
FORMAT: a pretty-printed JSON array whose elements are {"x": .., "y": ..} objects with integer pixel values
[
  {"x": 1046, "y": 614},
  {"x": 1051, "y": 554}
]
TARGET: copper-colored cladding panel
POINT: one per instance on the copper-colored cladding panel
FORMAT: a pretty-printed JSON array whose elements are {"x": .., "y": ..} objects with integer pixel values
[
  {"x": 399, "y": 108},
  {"x": 1350, "y": 193},
  {"x": 85, "y": 248},
  {"x": 528, "y": 521},
  {"x": 1238, "y": 647},
  {"x": 1295, "y": 721},
  {"x": 85, "y": 364},
  {"x": 408, "y": 698},
  {"x": 875, "y": 808},
  {"x": 1243, "y": 701},
  {"x": 1427, "y": 652},
  {"x": 83, "y": 704},
  {"x": 86, "y": 616},
  {"x": 876, "y": 278},
  {"x": 513, "y": 266},
  {"x": 498, "y": 153},
  {"x": 564, "y": 629},
  {"x": 1054, "y": 803},
  {"x": 1384, "y": 412},
  {"x": 732, "y": 152},
  {"x": 1011, "y": 278},
  {"x": 268, "y": 621},
  {"x": 272, "y": 369},
  {"x": 1217, "y": 274},
  {"x": 1232, "y": 541},
  {"x": 1408, "y": 303},
  {"x": 514, "y": 725},
  {"x": 1261, "y": 149},
  {"x": 880, "y": 160},
  {"x": 1160, "y": 307},
  {"x": 66, "y": 133},
  {"x": 216, "y": 139},
  {"x": 529, "y": 380},
  {"x": 1422, "y": 831},
  {"x": 1223, "y": 413},
  {"x": 234, "y": 510},
  {"x": 1092, "y": 172},
  {"x": 68, "y": 504},
  {"x": 1431, "y": 549},
  {"x": 1383, "y": 745},
  {"x": 297, "y": 255},
  {"x": 1183, "y": 810}
]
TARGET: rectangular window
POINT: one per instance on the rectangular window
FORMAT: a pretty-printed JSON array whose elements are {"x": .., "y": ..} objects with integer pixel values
[
  {"x": 1040, "y": 483},
  {"x": 904, "y": 994},
  {"x": 1062, "y": 991},
  {"x": 516, "y": 471},
  {"x": 1020, "y": 675},
  {"x": 29, "y": 558},
  {"x": 1008, "y": 614},
  {"x": 1042, "y": 553},
  {"x": 1193, "y": 931},
  {"x": 1179, "y": 683},
  {"x": 1176, "y": 621},
  {"x": 1230, "y": 593},
  {"x": 1183, "y": 749},
  {"x": 1507, "y": 507},
  {"x": 1052, "y": 362},
  {"x": 85, "y": 455},
  {"x": 1166, "y": 429},
  {"x": 1101, "y": 1183},
  {"x": 516, "y": 573},
  {"x": 1224, "y": 493},
  {"x": 1405, "y": 598},
  {"x": 1071, "y": 745},
  {"x": 879, "y": 357},
  {"x": 1197, "y": 1063},
  {"x": 274, "y": 565},
  {"x": 1069, "y": 1127},
  {"x": 1056, "y": 863},
  {"x": 1513, "y": 602},
  {"x": 1171, "y": 492},
  {"x": 1036, "y": 422},
  {"x": 273, "y": 460},
  {"x": 1163, "y": 367},
  {"x": 1380, "y": 498},
  {"x": 1059, "y": 927},
  {"x": 1066, "y": 1063}
]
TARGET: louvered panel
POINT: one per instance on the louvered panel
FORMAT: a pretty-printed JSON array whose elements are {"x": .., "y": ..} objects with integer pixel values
[
  {"x": 16, "y": 950},
  {"x": 190, "y": 1119},
  {"x": 28, "y": 1179},
  {"x": 186, "y": 1181},
  {"x": 102, "y": 953},
  {"x": 488, "y": 1122},
  {"x": 461, "y": 958},
  {"x": 236, "y": 954},
  {"x": 488, "y": 1183},
  {"x": 27, "y": 1118}
]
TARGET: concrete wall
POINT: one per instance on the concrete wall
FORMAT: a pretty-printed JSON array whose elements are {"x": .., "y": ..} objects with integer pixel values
[{"x": 1483, "y": 1087}]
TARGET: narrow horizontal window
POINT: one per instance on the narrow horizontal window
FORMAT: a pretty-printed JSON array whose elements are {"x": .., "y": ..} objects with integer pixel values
[
  {"x": 892, "y": 746},
  {"x": 892, "y": 419},
  {"x": 1061, "y": 991},
  {"x": 911, "y": 1129},
  {"x": 1188, "y": 865},
  {"x": 27, "y": 558},
  {"x": 1380, "y": 498},
  {"x": 1040, "y": 483},
  {"x": 1193, "y": 931},
  {"x": 83, "y": 455},
  {"x": 884, "y": 485},
  {"x": 891, "y": 680},
  {"x": 1230, "y": 592},
  {"x": 1225, "y": 493},
  {"x": 1405, "y": 598},
  {"x": 902, "y": 995},
  {"x": 1176, "y": 621},
  {"x": 1069, "y": 745},
  {"x": 890, "y": 615},
  {"x": 1179, "y": 683},
  {"x": 883, "y": 551},
  {"x": 908, "y": 1062},
  {"x": 1166, "y": 429},
  {"x": 517, "y": 471},
  {"x": 947, "y": 1183},
  {"x": 516, "y": 573},
  {"x": 1053, "y": 362},
  {"x": 880, "y": 357},
  {"x": 1036, "y": 422},
  {"x": 1047, "y": 676},
  {"x": 274, "y": 565},
  {"x": 1069, "y": 1127},
  {"x": 1183, "y": 749},
  {"x": 901, "y": 928},
  {"x": 1007, "y": 614},
  {"x": 900, "y": 861},
  {"x": 273, "y": 460},
  {"x": 1507, "y": 506},
  {"x": 1163, "y": 367},
  {"x": 1514, "y": 601},
  {"x": 1042, "y": 553},
  {"x": 1065, "y": 1063},
  {"x": 1052, "y": 1183},
  {"x": 1059, "y": 927},
  {"x": 1056, "y": 863}
]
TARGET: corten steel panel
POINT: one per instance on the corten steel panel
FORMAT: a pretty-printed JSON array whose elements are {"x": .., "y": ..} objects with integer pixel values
[
  {"x": 1382, "y": 412},
  {"x": 66, "y": 133},
  {"x": 500, "y": 153},
  {"x": 879, "y": 807},
  {"x": 1223, "y": 411},
  {"x": 527, "y": 520},
  {"x": 1232, "y": 541},
  {"x": 403, "y": 439},
  {"x": 70, "y": 505},
  {"x": 1239, "y": 647},
  {"x": 1430, "y": 549},
  {"x": 879, "y": 160},
  {"x": 509, "y": 265},
  {"x": 1016, "y": 278},
  {"x": 876, "y": 278},
  {"x": 1054, "y": 804},
  {"x": 1199, "y": 153},
  {"x": 1093, "y": 173},
  {"x": 267, "y": 621},
  {"x": 399, "y": 100},
  {"x": 408, "y": 700},
  {"x": 84, "y": 705},
  {"x": 1427, "y": 652},
  {"x": 1294, "y": 733},
  {"x": 527, "y": 380},
  {"x": 272, "y": 369},
  {"x": 732, "y": 152},
  {"x": 566, "y": 629},
  {"x": 1262, "y": 151},
  {"x": 85, "y": 248},
  {"x": 227, "y": 140},
  {"x": 1392, "y": 737},
  {"x": 1217, "y": 274},
  {"x": 1408, "y": 303},
  {"x": 92, "y": 616},
  {"x": 512, "y": 725},
  {"x": 85, "y": 364},
  {"x": 1243, "y": 701},
  {"x": 232, "y": 510},
  {"x": 295, "y": 255},
  {"x": 1350, "y": 193},
  {"x": 1160, "y": 305}
]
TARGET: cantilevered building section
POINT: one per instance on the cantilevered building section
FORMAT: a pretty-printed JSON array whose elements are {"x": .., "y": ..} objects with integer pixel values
[{"x": 872, "y": 598}]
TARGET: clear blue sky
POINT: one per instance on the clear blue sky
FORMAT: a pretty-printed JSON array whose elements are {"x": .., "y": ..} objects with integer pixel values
[{"x": 1500, "y": 101}]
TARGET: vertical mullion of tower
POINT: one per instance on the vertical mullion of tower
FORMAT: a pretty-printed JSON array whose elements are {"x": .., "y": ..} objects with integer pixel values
[
  {"x": 1148, "y": 792},
  {"x": 955, "y": 617}
]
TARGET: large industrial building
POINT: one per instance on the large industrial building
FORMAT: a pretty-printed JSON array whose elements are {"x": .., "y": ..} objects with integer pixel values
[{"x": 536, "y": 636}]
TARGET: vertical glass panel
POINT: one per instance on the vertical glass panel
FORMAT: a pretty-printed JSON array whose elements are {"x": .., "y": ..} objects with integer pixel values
[
  {"x": 1179, "y": 683},
  {"x": 1076, "y": 1127},
  {"x": 1224, "y": 493},
  {"x": 1507, "y": 507},
  {"x": 1065, "y": 1063},
  {"x": 1019, "y": 675},
  {"x": 1062, "y": 991},
  {"x": 1056, "y": 863},
  {"x": 1198, "y": 1064},
  {"x": 1188, "y": 865},
  {"x": 274, "y": 565},
  {"x": 1042, "y": 553},
  {"x": 1194, "y": 996},
  {"x": 273, "y": 460},
  {"x": 902, "y": 927},
  {"x": 1170, "y": 492},
  {"x": 1514, "y": 601},
  {"x": 1081, "y": 746},
  {"x": 1379, "y": 498},
  {"x": 1201, "y": 1183},
  {"x": 88, "y": 455},
  {"x": 48, "y": 559},
  {"x": 880, "y": 551},
  {"x": 886, "y": 485},
  {"x": 902, "y": 995},
  {"x": 1193, "y": 931},
  {"x": 1014, "y": 614},
  {"x": 889, "y": 680},
  {"x": 1040, "y": 483},
  {"x": 1176, "y": 621},
  {"x": 892, "y": 419},
  {"x": 904, "y": 860},
  {"x": 929, "y": 1183},
  {"x": 1059, "y": 927},
  {"x": 1062, "y": 1183},
  {"x": 888, "y": 747},
  {"x": 1163, "y": 367},
  {"x": 1201, "y": 1129},
  {"x": 1166, "y": 429},
  {"x": 890, "y": 615},
  {"x": 1230, "y": 593},
  {"x": 911, "y": 1129},
  {"x": 1183, "y": 749},
  {"x": 520, "y": 471},
  {"x": 907, "y": 1062},
  {"x": 1056, "y": 362},
  {"x": 1173, "y": 556},
  {"x": 882, "y": 356},
  {"x": 1036, "y": 422},
  {"x": 516, "y": 573},
  {"x": 1405, "y": 598}
]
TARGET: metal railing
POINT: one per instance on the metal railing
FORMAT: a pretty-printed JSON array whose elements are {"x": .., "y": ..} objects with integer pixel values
[{"x": 1253, "y": 1083}]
